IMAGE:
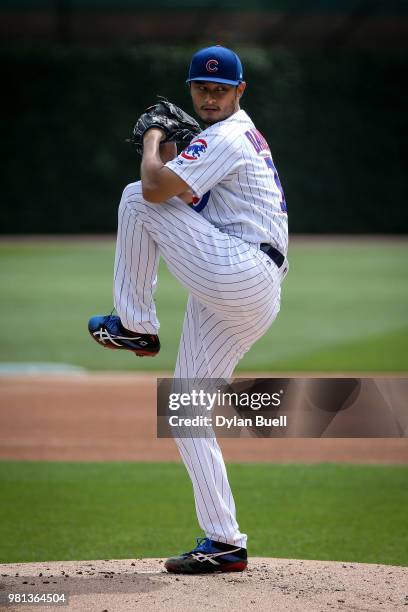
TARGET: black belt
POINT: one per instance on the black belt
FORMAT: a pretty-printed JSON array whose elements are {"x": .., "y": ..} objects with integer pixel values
[{"x": 273, "y": 253}]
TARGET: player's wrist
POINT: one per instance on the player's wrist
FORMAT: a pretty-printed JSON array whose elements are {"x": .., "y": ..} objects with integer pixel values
[
  {"x": 154, "y": 135},
  {"x": 167, "y": 151}
]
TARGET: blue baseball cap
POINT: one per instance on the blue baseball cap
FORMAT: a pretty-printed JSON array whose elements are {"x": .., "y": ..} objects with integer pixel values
[{"x": 216, "y": 64}]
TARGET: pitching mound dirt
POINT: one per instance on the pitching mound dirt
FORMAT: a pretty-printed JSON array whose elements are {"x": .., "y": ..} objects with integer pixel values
[{"x": 268, "y": 584}]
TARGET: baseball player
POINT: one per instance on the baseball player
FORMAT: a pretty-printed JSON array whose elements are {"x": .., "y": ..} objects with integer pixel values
[{"x": 217, "y": 215}]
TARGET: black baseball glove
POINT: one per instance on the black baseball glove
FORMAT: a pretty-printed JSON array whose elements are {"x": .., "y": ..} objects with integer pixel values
[{"x": 178, "y": 126}]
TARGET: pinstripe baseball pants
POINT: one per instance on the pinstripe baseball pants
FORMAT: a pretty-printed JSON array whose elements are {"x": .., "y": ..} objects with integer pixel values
[{"x": 234, "y": 296}]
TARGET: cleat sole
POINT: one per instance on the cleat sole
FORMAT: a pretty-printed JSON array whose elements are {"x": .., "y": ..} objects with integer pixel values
[
  {"x": 238, "y": 566},
  {"x": 140, "y": 353}
]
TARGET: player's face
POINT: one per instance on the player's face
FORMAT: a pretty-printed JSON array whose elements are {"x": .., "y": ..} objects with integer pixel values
[{"x": 215, "y": 101}]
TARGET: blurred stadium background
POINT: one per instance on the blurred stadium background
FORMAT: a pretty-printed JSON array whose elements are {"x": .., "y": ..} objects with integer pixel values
[{"x": 327, "y": 87}]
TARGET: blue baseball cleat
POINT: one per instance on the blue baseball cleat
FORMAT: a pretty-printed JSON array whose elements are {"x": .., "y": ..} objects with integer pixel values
[
  {"x": 109, "y": 332},
  {"x": 209, "y": 557}
]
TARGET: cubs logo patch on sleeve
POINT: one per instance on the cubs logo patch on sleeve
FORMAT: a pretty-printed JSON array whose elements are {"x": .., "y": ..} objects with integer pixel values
[{"x": 195, "y": 149}]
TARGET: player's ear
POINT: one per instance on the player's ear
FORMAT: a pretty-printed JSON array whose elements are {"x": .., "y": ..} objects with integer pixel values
[{"x": 240, "y": 89}]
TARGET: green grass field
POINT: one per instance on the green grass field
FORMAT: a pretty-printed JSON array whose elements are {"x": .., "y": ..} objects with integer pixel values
[
  {"x": 52, "y": 511},
  {"x": 344, "y": 307}
]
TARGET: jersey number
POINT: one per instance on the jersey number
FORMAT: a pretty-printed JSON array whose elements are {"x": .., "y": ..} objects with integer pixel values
[{"x": 269, "y": 163}]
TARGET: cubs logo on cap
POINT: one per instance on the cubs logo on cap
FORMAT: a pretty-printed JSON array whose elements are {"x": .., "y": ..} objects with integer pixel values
[
  {"x": 216, "y": 64},
  {"x": 212, "y": 65}
]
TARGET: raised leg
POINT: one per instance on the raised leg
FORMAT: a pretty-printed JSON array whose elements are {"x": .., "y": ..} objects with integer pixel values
[{"x": 221, "y": 271}]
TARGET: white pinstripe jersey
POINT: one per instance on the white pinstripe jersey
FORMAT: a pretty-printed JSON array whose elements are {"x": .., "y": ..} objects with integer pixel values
[{"x": 230, "y": 170}]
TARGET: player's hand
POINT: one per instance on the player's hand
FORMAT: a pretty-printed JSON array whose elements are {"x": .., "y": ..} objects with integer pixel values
[
  {"x": 186, "y": 196},
  {"x": 163, "y": 121},
  {"x": 167, "y": 151}
]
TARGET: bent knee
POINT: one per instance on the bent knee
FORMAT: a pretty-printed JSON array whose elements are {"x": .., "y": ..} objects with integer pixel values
[{"x": 133, "y": 191}]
